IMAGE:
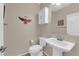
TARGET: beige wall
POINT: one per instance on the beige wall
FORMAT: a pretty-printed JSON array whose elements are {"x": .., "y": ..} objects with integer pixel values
[
  {"x": 17, "y": 34},
  {"x": 45, "y": 29},
  {"x": 61, "y": 31}
]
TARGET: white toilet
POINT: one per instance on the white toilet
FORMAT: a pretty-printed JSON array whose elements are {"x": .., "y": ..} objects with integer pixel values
[{"x": 37, "y": 50}]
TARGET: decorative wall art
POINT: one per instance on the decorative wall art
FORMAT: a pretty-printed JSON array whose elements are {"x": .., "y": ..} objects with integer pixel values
[
  {"x": 60, "y": 22},
  {"x": 25, "y": 19}
]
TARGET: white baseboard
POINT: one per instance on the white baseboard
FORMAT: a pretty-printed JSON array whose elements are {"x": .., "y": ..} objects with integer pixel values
[
  {"x": 22, "y": 54},
  {"x": 28, "y": 52}
]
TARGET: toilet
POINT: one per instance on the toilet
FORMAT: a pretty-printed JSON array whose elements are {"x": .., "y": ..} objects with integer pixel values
[{"x": 37, "y": 50}]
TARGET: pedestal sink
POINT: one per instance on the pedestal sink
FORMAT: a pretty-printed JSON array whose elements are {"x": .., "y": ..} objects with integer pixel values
[{"x": 59, "y": 47}]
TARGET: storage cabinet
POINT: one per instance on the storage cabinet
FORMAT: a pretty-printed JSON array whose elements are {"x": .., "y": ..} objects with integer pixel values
[{"x": 43, "y": 16}]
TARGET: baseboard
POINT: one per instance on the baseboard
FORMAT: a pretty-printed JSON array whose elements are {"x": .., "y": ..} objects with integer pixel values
[{"x": 22, "y": 54}]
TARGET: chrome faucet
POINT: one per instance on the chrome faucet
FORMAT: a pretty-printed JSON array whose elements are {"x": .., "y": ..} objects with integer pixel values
[{"x": 60, "y": 39}]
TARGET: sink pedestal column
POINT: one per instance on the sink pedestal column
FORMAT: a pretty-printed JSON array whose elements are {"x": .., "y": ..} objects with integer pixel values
[{"x": 57, "y": 52}]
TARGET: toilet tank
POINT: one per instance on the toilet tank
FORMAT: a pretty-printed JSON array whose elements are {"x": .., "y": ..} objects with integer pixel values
[{"x": 42, "y": 41}]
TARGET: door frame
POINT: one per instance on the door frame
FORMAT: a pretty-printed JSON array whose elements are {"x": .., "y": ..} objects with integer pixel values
[{"x": 1, "y": 26}]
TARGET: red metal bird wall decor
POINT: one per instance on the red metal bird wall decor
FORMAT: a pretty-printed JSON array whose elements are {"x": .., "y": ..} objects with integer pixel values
[{"x": 25, "y": 19}]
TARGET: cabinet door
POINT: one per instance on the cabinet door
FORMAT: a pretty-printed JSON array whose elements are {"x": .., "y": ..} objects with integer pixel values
[{"x": 43, "y": 16}]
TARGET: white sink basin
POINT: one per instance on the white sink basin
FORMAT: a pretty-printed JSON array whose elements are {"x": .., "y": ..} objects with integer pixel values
[{"x": 65, "y": 46}]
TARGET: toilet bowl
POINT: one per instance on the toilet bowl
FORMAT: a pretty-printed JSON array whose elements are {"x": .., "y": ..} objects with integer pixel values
[{"x": 37, "y": 50}]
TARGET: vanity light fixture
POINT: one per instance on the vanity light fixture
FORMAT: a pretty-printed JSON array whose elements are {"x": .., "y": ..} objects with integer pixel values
[{"x": 25, "y": 19}]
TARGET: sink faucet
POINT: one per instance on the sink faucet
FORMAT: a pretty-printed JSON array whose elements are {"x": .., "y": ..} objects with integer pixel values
[{"x": 60, "y": 39}]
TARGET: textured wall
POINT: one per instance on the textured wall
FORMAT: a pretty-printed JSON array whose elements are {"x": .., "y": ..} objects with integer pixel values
[
  {"x": 45, "y": 30},
  {"x": 61, "y": 31},
  {"x": 17, "y": 34}
]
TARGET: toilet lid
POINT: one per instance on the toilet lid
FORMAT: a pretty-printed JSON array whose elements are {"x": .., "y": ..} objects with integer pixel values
[{"x": 35, "y": 48}]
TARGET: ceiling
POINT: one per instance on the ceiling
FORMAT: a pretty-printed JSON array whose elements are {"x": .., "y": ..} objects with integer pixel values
[
  {"x": 55, "y": 6},
  {"x": 58, "y": 7}
]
